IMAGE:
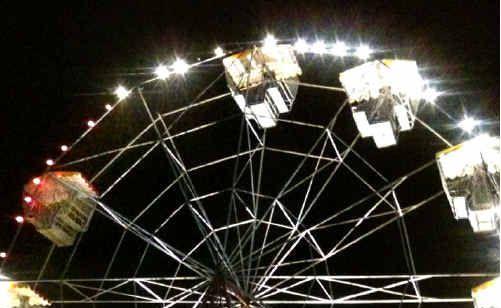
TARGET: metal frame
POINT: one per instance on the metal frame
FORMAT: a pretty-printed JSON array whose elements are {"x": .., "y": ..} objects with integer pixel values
[{"x": 250, "y": 260}]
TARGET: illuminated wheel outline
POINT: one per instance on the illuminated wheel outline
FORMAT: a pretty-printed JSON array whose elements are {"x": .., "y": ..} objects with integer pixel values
[{"x": 252, "y": 285}]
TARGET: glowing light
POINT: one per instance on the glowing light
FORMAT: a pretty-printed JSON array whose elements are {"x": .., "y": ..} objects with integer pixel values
[
  {"x": 28, "y": 199},
  {"x": 64, "y": 148},
  {"x": 19, "y": 219},
  {"x": 270, "y": 41},
  {"x": 301, "y": 46},
  {"x": 49, "y": 162},
  {"x": 162, "y": 72},
  {"x": 487, "y": 294},
  {"x": 121, "y": 92},
  {"x": 363, "y": 52},
  {"x": 37, "y": 181},
  {"x": 13, "y": 295},
  {"x": 91, "y": 123},
  {"x": 219, "y": 52},
  {"x": 468, "y": 124},
  {"x": 339, "y": 49},
  {"x": 108, "y": 107},
  {"x": 430, "y": 95},
  {"x": 3, "y": 255},
  {"x": 180, "y": 67},
  {"x": 319, "y": 47}
]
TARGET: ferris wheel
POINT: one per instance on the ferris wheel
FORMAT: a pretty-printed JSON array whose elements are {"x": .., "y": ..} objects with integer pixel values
[{"x": 241, "y": 196}]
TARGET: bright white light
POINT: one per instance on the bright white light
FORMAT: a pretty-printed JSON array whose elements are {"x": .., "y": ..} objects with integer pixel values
[
  {"x": 468, "y": 124},
  {"x": 339, "y": 49},
  {"x": 37, "y": 181},
  {"x": 487, "y": 294},
  {"x": 219, "y": 52},
  {"x": 49, "y": 162},
  {"x": 301, "y": 46},
  {"x": 121, "y": 92},
  {"x": 270, "y": 41},
  {"x": 363, "y": 52},
  {"x": 19, "y": 219},
  {"x": 180, "y": 67},
  {"x": 108, "y": 107},
  {"x": 27, "y": 199},
  {"x": 3, "y": 255},
  {"x": 430, "y": 95},
  {"x": 162, "y": 72},
  {"x": 319, "y": 47},
  {"x": 91, "y": 123},
  {"x": 64, "y": 148}
]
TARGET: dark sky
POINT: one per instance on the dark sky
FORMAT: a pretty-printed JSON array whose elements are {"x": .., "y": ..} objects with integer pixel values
[{"x": 61, "y": 62}]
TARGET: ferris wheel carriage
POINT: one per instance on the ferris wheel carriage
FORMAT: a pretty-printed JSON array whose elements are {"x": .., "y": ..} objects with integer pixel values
[
  {"x": 470, "y": 177},
  {"x": 13, "y": 294},
  {"x": 383, "y": 96},
  {"x": 59, "y": 205},
  {"x": 486, "y": 295},
  {"x": 263, "y": 82}
]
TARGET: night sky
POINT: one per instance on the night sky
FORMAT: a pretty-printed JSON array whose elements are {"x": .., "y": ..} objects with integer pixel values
[{"x": 61, "y": 63}]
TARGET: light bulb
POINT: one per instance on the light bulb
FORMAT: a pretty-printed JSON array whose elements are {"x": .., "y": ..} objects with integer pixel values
[
  {"x": 219, "y": 52},
  {"x": 180, "y": 67},
  {"x": 468, "y": 124},
  {"x": 430, "y": 95},
  {"x": 121, "y": 92},
  {"x": 301, "y": 46},
  {"x": 363, "y": 52},
  {"x": 339, "y": 49},
  {"x": 270, "y": 41},
  {"x": 162, "y": 72},
  {"x": 319, "y": 47}
]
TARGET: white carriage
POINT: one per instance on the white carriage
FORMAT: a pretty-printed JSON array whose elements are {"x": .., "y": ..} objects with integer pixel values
[
  {"x": 470, "y": 177},
  {"x": 263, "y": 82},
  {"x": 383, "y": 96}
]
